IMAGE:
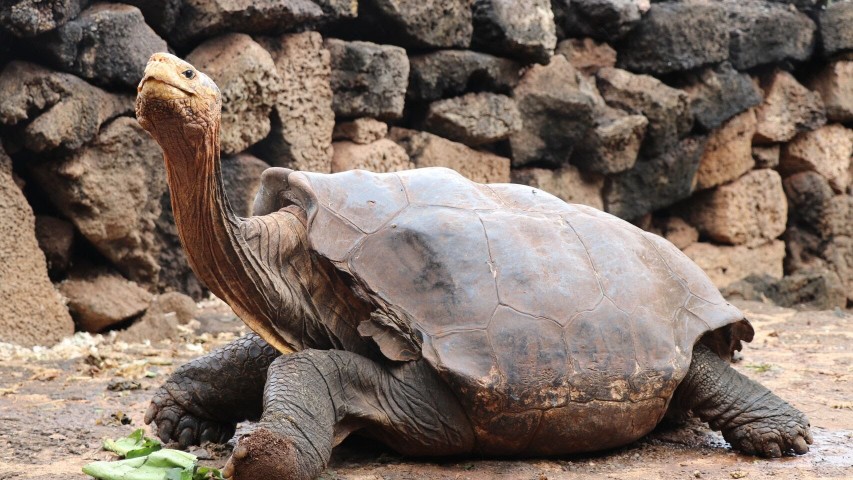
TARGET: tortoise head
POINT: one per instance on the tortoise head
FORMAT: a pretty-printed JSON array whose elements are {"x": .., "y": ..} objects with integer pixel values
[{"x": 175, "y": 101}]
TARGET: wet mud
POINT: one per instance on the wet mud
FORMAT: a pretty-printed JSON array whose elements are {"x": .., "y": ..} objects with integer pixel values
[{"x": 56, "y": 406}]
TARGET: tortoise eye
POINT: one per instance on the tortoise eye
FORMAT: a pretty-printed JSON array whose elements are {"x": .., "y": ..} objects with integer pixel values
[{"x": 188, "y": 73}]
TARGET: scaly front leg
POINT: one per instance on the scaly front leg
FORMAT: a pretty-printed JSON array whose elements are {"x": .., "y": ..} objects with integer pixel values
[{"x": 204, "y": 399}]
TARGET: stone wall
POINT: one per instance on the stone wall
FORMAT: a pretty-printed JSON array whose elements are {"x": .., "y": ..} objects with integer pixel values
[{"x": 722, "y": 125}]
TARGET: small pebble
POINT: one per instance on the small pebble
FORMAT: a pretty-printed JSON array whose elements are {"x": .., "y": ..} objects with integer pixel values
[
  {"x": 738, "y": 474},
  {"x": 697, "y": 474}
]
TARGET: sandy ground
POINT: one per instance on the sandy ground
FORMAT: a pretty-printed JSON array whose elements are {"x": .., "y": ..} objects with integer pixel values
[{"x": 56, "y": 406}]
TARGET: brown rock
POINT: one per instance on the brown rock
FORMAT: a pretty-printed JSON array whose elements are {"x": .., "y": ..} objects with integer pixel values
[
  {"x": 33, "y": 312},
  {"x": 728, "y": 153},
  {"x": 62, "y": 110},
  {"x": 727, "y": 264},
  {"x": 250, "y": 85},
  {"x": 766, "y": 156},
  {"x": 303, "y": 119},
  {"x": 55, "y": 238},
  {"x": 241, "y": 176},
  {"x": 380, "y": 156},
  {"x": 99, "y": 299},
  {"x": 161, "y": 320},
  {"x": 788, "y": 108},
  {"x": 449, "y": 73},
  {"x": 834, "y": 83},
  {"x": 556, "y": 105},
  {"x": 839, "y": 257},
  {"x": 837, "y": 217},
  {"x": 827, "y": 150},
  {"x": 813, "y": 289},
  {"x": 803, "y": 249},
  {"x": 108, "y": 44},
  {"x": 666, "y": 108},
  {"x": 428, "y": 150},
  {"x": 567, "y": 183},
  {"x": 368, "y": 80},
  {"x": 808, "y": 195},
  {"x": 361, "y": 130},
  {"x": 587, "y": 55},
  {"x": 749, "y": 211},
  {"x": 678, "y": 231},
  {"x": 474, "y": 118},
  {"x": 613, "y": 145},
  {"x": 111, "y": 191}
]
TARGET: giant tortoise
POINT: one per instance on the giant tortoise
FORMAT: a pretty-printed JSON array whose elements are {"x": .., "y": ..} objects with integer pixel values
[{"x": 435, "y": 314}]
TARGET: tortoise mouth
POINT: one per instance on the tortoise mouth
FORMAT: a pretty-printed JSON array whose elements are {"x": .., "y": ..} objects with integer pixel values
[{"x": 155, "y": 87}]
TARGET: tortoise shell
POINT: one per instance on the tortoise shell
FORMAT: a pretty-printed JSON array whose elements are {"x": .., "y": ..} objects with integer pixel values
[{"x": 533, "y": 310}]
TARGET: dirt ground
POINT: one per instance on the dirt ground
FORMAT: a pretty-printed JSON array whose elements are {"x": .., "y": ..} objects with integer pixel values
[{"x": 56, "y": 406}]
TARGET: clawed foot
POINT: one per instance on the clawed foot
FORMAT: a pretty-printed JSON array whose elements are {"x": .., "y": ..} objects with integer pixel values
[
  {"x": 174, "y": 422},
  {"x": 772, "y": 436},
  {"x": 262, "y": 455}
]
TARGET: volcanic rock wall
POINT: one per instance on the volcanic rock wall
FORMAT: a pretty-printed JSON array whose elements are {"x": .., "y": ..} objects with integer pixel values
[{"x": 722, "y": 125}]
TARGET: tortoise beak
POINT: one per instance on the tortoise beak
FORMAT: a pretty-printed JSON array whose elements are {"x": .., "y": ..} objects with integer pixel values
[{"x": 161, "y": 78}]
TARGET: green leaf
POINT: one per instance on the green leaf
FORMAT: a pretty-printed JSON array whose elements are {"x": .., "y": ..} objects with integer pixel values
[
  {"x": 166, "y": 464},
  {"x": 133, "y": 445},
  {"x": 207, "y": 473}
]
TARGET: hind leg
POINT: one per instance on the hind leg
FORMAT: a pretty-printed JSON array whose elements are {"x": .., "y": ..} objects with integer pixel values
[
  {"x": 751, "y": 417},
  {"x": 314, "y": 399},
  {"x": 204, "y": 399}
]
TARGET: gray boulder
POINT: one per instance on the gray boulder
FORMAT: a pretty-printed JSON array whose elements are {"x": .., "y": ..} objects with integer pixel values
[
  {"x": 28, "y": 18},
  {"x": 655, "y": 182},
  {"x": 836, "y": 32},
  {"x": 422, "y": 24},
  {"x": 449, "y": 73},
  {"x": 762, "y": 33},
  {"x": 55, "y": 109},
  {"x": 368, "y": 80},
  {"x": 674, "y": 37},
  {"x": 601, "y": 19},
  {"x": 521, "y": 30},
  {"x": 108, "y": 44},
  {"x": 718, "y": 94}
]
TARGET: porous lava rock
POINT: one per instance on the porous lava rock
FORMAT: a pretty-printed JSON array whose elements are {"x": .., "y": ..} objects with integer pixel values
[
  {"x": 111, "y": 191},
  {"x": 383, "y": 155},
  {"x": 763, "y": 32},
  {"x": 28, "y": 18},
  {"x": 719, "y": 93},
  {"x": 726, "y": 264},
  {"x": 423, "y": 23},
  {"x": 675, "y": 37},
  {"x": 836, "y": 34},
  {"x": 108, "y": 44},
  {"x": 474, "y": 118},
  {"x": 241, "y": 177},
  {"x": 655, "y": 182},
  {"x": 834, "y": 83},
  {"x": 521, "y": 30},
  {"x": 827, "y": 150},
  {"x": 368, "y": 79},
  {"x": 728, "y": 153},
  {"x": 55, "y": 109},
  {"x": 250, "y": 85},
  {"x": 613, "y": 145},
  {"x": 666, "y": 108},
  {"x": 587, "y": 54},
  {"x": 428, "y": 150},
  {"x": 788, "y": 108},
  {"x": 556, "y": 112},
  {"x": 33, "y": 311},
  {"x": 302, "y": 122},
  {"x": 361, "y": 130},
  {"x": 601, "y": 19},
  {"x": 748, "y": 211},
  {"x": 808, "y": 195},
  {"x": 450, "y": 73},
  {"x": 99, "y": 298},
  {"x": 567, "y": 183},
  {"x": 55, "y": 238}
]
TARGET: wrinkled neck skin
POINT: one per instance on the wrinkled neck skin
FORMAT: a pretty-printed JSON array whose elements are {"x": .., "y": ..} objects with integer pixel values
[{"x": 209, "y": 230}]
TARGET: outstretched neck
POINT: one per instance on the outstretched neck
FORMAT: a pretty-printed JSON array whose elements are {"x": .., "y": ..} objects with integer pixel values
[{"x": 210, "y": 231}]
